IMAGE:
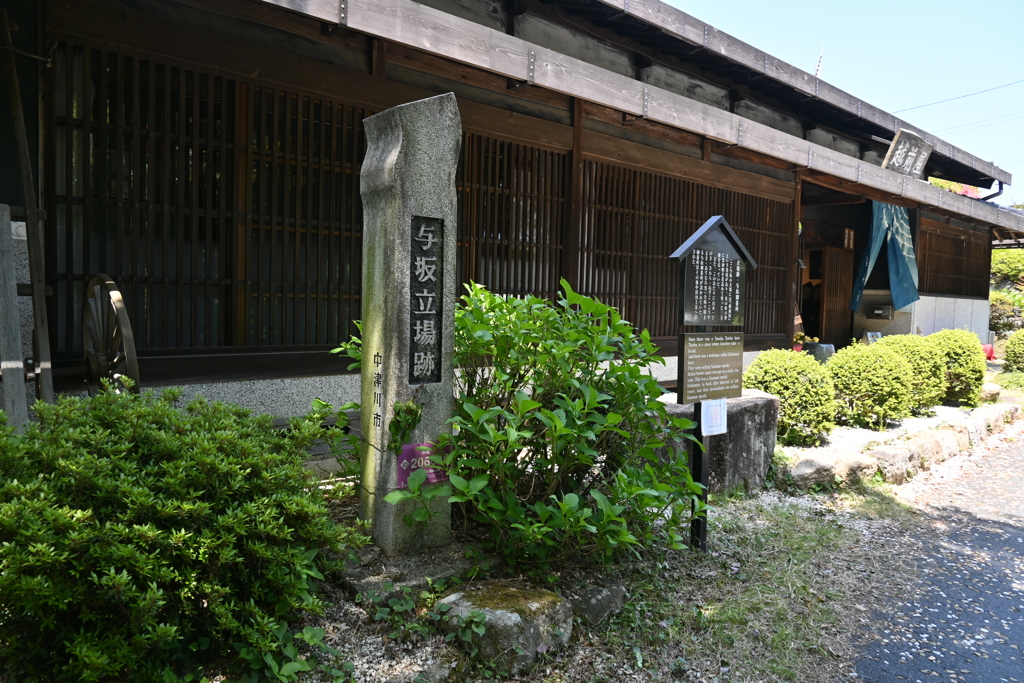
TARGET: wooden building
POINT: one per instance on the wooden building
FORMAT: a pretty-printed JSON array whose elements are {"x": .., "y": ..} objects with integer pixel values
[{"x": 206, "y": 154}]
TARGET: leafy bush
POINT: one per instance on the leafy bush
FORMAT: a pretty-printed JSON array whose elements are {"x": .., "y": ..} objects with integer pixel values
[
  {"x": 1014, "y": 354},
  {"x": 1007, "y": 266},
  {"x": 139, "y": 541},
  {"x": 557, "y": 422},
  {"x": 965, "y": 365},
  {"x": 1004, "y": 313},
  {"x": 804, "y": 387},
  {"x": 872, "y": 385},
  {"x": 927, "y": 365}
]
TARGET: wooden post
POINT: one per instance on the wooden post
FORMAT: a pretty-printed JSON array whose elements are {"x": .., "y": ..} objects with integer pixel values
[
  {"x": 35, "y": 237},
  {"x": 573, "y": 231},
  {"x": 11, "y": 365}
]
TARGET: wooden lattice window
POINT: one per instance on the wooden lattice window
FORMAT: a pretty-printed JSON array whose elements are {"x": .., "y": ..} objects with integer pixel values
[
  {"x": 633, "y": 220},
  {"x": 952, "y": 260},
  {"x": 511, "y": 216},
  {"x": 227, "y": 211}
]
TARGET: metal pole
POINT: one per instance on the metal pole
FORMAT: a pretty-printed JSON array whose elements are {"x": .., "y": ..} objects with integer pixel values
[{"x": 35, "y": 237}]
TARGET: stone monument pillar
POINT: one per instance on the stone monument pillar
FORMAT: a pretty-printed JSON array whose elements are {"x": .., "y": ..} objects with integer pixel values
[{"x": 408, "y": 298}]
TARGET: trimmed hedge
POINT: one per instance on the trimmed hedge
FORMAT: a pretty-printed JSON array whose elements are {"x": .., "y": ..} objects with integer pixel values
[
  {"x": 141, "y": 541},
  {"x": 965, "y": 365},
  {"x": 1003, "y": 315},
  {"x": 872, "y": 385},
  {"x": 804, "y": 387},
  {"x": 1014, "y": 355},
  {"x": 927, "y": 363},
  {"x": 1007, "y": 266}
]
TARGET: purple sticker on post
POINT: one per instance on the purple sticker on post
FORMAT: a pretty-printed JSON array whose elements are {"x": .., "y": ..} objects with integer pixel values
[{"x": 415, "y": 456}]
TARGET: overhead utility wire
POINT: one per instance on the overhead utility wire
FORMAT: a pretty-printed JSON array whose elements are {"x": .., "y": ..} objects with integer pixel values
[{"x": 922, "y": 106}]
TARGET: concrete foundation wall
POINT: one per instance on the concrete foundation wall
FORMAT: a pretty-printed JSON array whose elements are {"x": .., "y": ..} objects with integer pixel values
[{"x": 928, "y": 314}]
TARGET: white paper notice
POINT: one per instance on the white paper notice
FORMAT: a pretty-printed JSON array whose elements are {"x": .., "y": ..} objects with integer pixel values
[{"x": 712, "y": 417}]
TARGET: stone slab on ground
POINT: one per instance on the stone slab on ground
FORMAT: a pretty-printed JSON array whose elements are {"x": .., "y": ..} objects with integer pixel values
[
  {"x": 520, "y": 623},
  {"x": 595, "y": 603},
  {"x": 904, "y": 454}
]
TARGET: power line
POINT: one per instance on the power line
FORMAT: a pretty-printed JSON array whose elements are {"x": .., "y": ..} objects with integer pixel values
[
  {"x": 921, "y": 106},
  {"x": 971, "y": 124}
]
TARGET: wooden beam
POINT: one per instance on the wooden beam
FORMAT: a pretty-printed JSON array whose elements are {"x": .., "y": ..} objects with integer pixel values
[
  {"x": 430, "y": 30},
  {"x": 379, "y": 59},
  {"x": 831, "y": 199},
  {"x": 641, "y": 125},
  {"x": 692, "y": 31},
  {"x": 627, "y": 153},
  {"x": 574, "y": 226}
]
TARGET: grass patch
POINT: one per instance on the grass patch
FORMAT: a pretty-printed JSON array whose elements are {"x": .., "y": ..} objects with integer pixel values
[
  {"x": 1010, "y": 380},
  {"x": 785, "y": 585}
]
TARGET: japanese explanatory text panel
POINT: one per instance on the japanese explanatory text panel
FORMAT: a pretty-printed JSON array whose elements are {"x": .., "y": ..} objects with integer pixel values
[
  {"x": 712, "y": 366},
  {"x": 712, "y": 286}
]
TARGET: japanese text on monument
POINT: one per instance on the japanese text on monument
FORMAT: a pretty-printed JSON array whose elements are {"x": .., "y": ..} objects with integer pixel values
[{"x": 426, "y": 267}]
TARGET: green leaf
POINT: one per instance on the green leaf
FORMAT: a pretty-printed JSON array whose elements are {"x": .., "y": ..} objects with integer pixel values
[
  {"x": 398, "y": 496},
  {"x": 416, "y": 480},
  {"x": 478, "y": 483}
]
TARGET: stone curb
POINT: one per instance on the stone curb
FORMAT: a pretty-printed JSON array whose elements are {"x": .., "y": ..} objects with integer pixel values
[{"x": 899, "y": 461}]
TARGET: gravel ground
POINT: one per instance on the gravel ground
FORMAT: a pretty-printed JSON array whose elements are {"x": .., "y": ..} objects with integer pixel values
[{"x": 965, "y": 620}]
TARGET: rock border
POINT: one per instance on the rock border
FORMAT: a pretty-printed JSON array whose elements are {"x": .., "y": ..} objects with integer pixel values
[{"x": 900, "y": 460}]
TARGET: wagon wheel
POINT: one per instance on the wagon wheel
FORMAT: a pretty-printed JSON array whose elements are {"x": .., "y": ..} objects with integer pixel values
[{"x": 107, "y": 335}]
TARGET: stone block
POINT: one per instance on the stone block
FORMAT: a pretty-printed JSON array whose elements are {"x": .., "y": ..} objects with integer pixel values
[
  {"x": 592, "y": 605},
  {"x": 810, "y": 471},
  {"x": 990, "y": 392},
  {"x": 855, "y": 467},
  {"x": 519, "y": 623},
  {"x": 894, "y": 462},
  {"x": 960, "y": 432},
  {"x": 740, "y": 458}
]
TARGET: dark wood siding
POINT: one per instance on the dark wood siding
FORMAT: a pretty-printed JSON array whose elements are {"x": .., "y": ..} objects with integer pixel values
[
  {"x": 633, "y": 220},
  {"x": 952, "y": 260},
  {"x": 227, "y": 209}
]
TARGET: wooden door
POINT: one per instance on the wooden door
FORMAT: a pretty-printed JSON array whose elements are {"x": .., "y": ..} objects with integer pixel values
[{"x": 836, "y": 289}]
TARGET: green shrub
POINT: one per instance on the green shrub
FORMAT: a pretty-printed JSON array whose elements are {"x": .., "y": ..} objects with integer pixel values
[
  {"x": 140, "y": 541},
  {"x": 556, "y": 425},
  {"x": 804, "y": 387},
  {"x": 872, "y": 385},
  {"x": 965, "y": 365},
  {"x": 928, "y": 366},
  {"x": 1014, "y": 353},
  {"x": 1007, "y": 266},
  {"x": 1004, "y": 314}
]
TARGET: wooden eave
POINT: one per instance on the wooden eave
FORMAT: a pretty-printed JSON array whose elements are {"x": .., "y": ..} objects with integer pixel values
[
  {"x": 434, "y": 32},
  {"x": 841, "y": 109}
]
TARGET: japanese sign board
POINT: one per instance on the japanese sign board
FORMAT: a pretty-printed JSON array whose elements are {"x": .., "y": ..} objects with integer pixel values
[
  {"x": 712, "y": 284},
  {"x": 711, "y": 366},
  {"x": 712, "y": 291},
  {"x": 426, "y": 299},
  {"x": 908, "y": 153}
]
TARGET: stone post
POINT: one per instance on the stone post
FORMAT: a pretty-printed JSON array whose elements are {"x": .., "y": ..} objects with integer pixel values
[{"x": 409, "y": 229}]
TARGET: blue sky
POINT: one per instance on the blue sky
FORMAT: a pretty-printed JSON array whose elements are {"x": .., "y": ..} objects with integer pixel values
[{"x": 898, "y": 54}]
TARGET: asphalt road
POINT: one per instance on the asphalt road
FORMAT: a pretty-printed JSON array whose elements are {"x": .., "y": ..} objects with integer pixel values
[{"x": 967, "y": 623}]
